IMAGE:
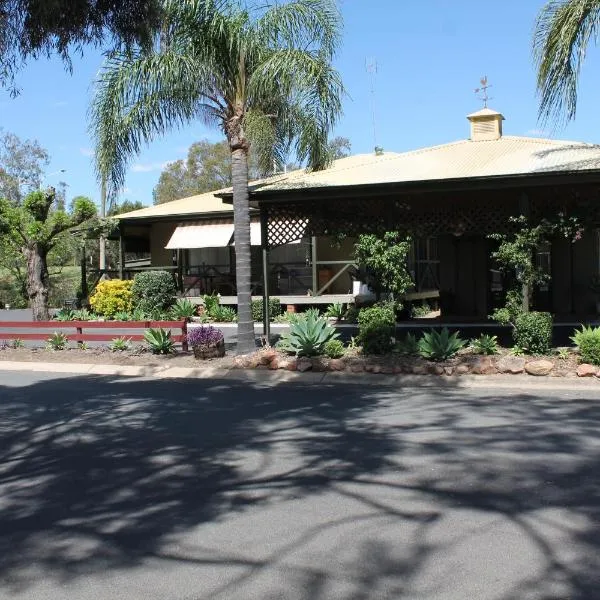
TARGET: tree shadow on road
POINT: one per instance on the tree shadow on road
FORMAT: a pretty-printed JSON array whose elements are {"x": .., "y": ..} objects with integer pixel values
[{"x": 98, "y": 473}]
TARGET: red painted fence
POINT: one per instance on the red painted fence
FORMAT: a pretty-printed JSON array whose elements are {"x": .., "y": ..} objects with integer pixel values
[{"x": 79, "y": 326}]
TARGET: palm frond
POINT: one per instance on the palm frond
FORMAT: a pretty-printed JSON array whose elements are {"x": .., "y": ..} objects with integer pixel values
[
  {"x": 302, "y": 24},
  {"x": 138, "y": 97},
  {"x": 310, "y": 90},
  {"x": 563, "y": 31}
]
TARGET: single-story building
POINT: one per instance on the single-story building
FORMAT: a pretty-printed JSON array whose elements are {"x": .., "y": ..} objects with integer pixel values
[{"x": 450, "y": 198}]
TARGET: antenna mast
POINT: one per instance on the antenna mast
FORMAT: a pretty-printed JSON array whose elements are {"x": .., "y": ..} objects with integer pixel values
[{"x": 371, "y": 68}]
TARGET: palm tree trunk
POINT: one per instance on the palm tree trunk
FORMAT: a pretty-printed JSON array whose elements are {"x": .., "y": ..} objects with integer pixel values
[
  {"x": 243, "y": 266},
  {"x": 102, "y": 261}
]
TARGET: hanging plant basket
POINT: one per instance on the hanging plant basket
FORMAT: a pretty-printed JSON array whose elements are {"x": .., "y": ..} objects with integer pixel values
[{"x": 216, "y": 350}]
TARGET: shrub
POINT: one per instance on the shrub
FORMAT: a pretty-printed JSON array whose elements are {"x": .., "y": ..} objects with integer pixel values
[
  {"x": 57, "y": 341},
  {"x": 308, "y": 335},
  {"x": 153, "y": 291},
  {"x": 204, "y": 336},
  {"x": 334, "y": 349},
  {"x": 533, "y": 332},
  {"x": 418, "y": 311},
  {"x": 120, "y": 344},
  {"x": 183, "y": 309},
  {"x": 274, "y": 309},
  {"x": 223, "y": 314},
  {"x": 485, "y": 344},
  {"x": 588, "y": 341},
  {"x": 408, "y": 346},
  {"x": 18, "y": 343},
  {"x": 112, "y": 296},
  {"x": 159, "y": 340},
  {"x": 440, "y": 345},
  {"x": 351, "y": 314},
  {"x": 376, "y": 328}
]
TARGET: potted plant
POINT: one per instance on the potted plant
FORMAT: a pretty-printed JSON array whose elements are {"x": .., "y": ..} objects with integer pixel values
[{"x": 206, "y": 342}]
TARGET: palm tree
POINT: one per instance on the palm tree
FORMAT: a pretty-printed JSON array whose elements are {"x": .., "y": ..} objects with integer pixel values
[
  {"x": 261, "y": 74},
  {"x": 562, "y": 33}
]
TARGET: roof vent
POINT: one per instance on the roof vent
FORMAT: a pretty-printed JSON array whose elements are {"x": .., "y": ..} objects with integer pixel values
[{"x": 486, "y": 124}]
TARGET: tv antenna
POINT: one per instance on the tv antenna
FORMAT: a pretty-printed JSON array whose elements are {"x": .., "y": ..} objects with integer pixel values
[
  {"x": 371, "y": 67},
  {"x": 483, "y": 91}
]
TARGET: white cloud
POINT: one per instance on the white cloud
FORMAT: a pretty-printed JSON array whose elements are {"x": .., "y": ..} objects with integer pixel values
[
  {"x": 86, "y": 151},
  {"x": 148, "y": 167}
]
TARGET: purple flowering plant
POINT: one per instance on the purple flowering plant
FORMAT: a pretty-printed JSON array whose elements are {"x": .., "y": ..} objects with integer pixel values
[{"x": 205, "y": 335}]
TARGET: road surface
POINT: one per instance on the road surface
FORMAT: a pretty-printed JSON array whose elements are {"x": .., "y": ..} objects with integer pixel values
[{"x": 128, "y": 489}]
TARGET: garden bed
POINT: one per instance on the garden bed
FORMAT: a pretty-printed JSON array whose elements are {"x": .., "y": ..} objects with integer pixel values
[{"x": 137, "y": 356}]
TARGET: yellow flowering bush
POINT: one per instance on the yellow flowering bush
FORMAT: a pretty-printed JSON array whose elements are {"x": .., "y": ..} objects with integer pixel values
[{"x": 112, "y": 296}]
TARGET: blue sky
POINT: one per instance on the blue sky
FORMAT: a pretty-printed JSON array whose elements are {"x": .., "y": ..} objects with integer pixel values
[{"x": 430, "y": 56}]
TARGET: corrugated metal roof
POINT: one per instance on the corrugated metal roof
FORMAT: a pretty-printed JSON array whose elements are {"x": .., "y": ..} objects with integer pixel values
[
  {"x": 508, "y": 155},
  {"x": 193, "y": 205}
]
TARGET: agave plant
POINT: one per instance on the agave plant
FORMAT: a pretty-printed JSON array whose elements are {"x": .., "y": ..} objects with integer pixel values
[
  {"x": 183, "y": 309},
  {"x": 82, "y": 314},
  {"x": 308, "y": 335},
  {"x": 159, "y": 340},
  {"x": 120, "y": 344},
  {"x": 122, "y": 315},
  {"x": 57, "y": 341},
  {"x": 64, "y": 314},
  {"x": 408, "y": 345},
  {"x": 335, "y": 311},
  {"x": 440, "y": 345},
  {"x": 485, "y": 344}
]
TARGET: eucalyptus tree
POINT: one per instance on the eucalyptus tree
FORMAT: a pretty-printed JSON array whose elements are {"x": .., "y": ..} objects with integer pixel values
[
  {"x": 262, "y": 73},
  {"x": 563, "y": 31}
]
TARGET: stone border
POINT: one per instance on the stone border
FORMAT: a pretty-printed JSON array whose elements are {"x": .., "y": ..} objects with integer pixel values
[{"x": 466, "y": 364}]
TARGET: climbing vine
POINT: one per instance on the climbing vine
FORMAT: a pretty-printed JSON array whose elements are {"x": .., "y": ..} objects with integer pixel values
[{"x": 516, "y": 253}]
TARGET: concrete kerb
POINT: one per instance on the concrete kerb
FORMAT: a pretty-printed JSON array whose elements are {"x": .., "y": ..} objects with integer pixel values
[{"x": 257, "y": 376}]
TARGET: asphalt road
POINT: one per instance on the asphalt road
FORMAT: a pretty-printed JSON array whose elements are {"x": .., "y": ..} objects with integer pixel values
[{"x": 191, "y": 490}]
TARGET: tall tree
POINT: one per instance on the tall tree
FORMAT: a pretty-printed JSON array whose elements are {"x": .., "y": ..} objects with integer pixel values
[
  {"x": 563, "y": 31},
  {"x": 206, "y": 168},
  {"x": 22, "y": 164},
  {"x": 31, "y": 28},
  {"x": 340, "y": 147},
  {"x": 262, "y": 74},
  {"x": 35, "y": 228}
]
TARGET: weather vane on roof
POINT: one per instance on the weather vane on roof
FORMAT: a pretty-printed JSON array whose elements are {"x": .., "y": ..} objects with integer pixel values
[{"x": 483, "y": 90}]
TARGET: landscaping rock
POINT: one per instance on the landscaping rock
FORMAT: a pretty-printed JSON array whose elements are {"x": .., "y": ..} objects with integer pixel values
[
  {"x": 511, "y": 364},
  {"x": 336, "y": 364},
  {"x": 539, "y": 367},
  {"x": 357, "y": 368},
  {"x": 304, "y": 364},
  {"x": 436, "y": 370},
  {"x": 385, "y": 370},
  {"x": 483, "y": 365},
  {"x": 586, "y": 370},
  {"x": 397, "y": 370},
  {"x": 266, "y": 356},
  {"x": 291, "y": 364},
  {"x": 449, "y": 370},
  {"x": 375, "y": 369},
  {"x": 420, "y": 370},
  {"x": 462, "y": 369},
  {"x": 239, "y": 362},
  {"x": 319, "y": 364}
]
